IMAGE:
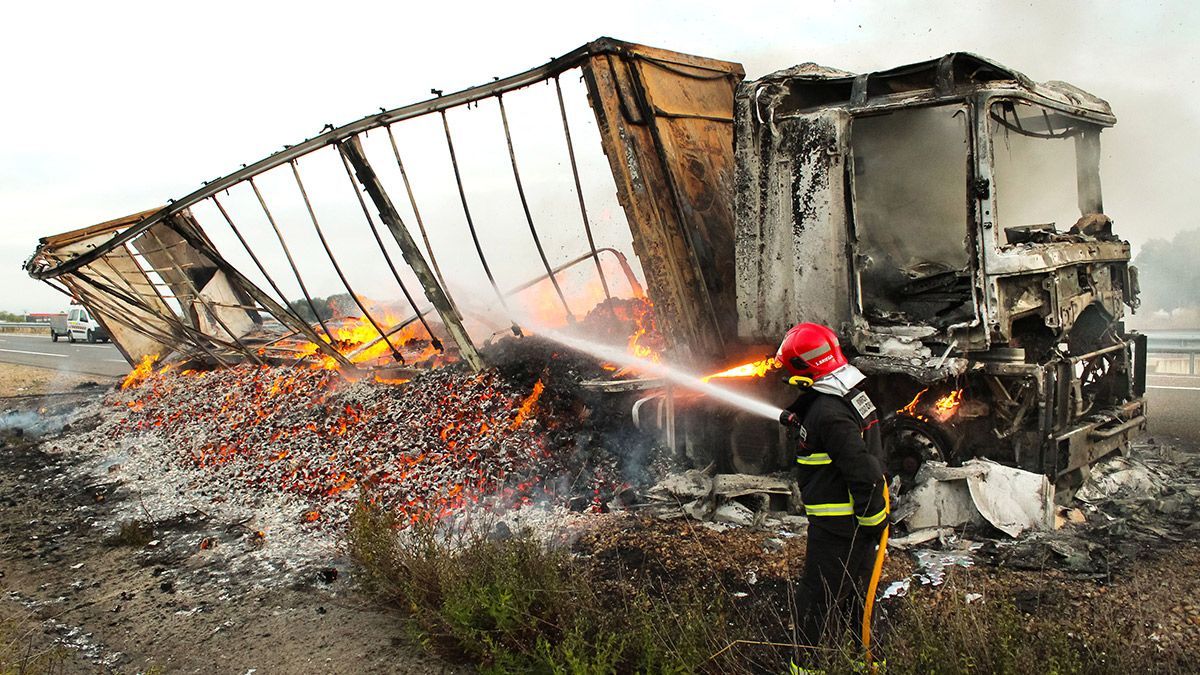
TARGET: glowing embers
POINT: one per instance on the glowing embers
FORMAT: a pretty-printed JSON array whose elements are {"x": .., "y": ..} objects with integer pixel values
[
  {"x": 446, "y": 440},
  {"x": 752, "y": 369},
  {"x": 942, "y": 409}
]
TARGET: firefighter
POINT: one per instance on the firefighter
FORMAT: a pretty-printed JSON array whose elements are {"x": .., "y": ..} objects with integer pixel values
[{"x": 841, "y": 478}]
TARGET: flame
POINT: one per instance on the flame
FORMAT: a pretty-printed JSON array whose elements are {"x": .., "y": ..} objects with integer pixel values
[
  {"x": 634, "y": 317},
  {"x": 943, "y": 408},
  {"x": 141, "y": 372},
  {"x": 946, "y": 406},
  {"x": 392, "y": 380},
  {"x": 413, "y": 342},
  {"x": 752, "y": 369},
  {"x": 911, "y": 408},
  {"x": 528, "y": 405}
]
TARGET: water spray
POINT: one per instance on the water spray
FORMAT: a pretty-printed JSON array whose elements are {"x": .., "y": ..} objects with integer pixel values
[{"x": 678, "y": 376}]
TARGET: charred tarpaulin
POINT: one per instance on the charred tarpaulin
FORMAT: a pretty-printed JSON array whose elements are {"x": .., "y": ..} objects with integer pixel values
[{"x": 165, "y": 289}]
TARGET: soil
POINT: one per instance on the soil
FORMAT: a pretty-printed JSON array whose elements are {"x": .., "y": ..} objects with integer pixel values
[
  {"x": 191, "y": 594},
  {"x": 22, "y": 381}
]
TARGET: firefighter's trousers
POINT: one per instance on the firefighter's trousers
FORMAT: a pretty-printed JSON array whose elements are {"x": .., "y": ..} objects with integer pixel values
[{"x": 829, "y": 599}]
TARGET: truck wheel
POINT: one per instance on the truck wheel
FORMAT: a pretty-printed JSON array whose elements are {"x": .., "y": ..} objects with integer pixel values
[
  {"x": 909, "y": 442},
  {"x": 53, "y": 336},
  {"x": 70, "y": 336},
  {"x": 91, "y": 338}
]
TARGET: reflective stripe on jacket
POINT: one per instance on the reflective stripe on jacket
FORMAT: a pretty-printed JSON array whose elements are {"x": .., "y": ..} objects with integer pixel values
[{"x": 839, "y": 461}]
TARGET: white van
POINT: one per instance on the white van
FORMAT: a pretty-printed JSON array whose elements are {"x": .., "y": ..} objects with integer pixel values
[{"x": 82, "y": 326}]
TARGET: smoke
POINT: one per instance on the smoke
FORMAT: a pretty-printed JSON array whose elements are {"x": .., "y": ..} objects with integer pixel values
[
  {"x": 31, "y": 423},
  {"x": 1170, "y": 282}
]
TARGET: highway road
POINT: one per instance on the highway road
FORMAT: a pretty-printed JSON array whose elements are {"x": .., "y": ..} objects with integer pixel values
[
  {"x": 38, "y": 350},
  {"x": 1174, "y": 400}
]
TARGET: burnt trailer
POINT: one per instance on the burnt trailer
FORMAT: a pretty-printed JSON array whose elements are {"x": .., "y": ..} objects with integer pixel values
[{"x": 944, "y": 217}]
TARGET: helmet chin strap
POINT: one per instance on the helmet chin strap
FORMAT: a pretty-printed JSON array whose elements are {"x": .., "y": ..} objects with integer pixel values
[{"x": 800, "y": 381}]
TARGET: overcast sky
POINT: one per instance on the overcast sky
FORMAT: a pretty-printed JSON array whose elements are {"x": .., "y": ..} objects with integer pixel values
[{"x": 112, "y": 108}]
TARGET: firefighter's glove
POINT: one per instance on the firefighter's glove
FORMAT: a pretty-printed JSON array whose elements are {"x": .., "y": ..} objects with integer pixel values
[{"x": 789, "y": 419}]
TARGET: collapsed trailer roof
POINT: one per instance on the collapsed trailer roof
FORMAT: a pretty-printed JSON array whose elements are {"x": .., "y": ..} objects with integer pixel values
[
  {"x": 811, "y": 86},
  {"x": 192, "y": 279}
]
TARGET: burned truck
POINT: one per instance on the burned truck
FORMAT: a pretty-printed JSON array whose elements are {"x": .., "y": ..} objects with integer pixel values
[
  {"x": 947, "y": 218},
  {"x": 944, "y": 217}
]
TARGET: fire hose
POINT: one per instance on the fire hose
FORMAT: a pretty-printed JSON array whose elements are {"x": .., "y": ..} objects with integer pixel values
[{"x": 873, "y": 585}]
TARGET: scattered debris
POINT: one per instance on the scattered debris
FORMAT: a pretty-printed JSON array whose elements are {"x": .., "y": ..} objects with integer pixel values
[{"x": 979, "y": 491}]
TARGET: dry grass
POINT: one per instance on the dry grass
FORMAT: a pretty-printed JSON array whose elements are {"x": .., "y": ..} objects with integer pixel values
[
  {"x": 515, "y": 606},
  {"x": 21, "y": 654}
]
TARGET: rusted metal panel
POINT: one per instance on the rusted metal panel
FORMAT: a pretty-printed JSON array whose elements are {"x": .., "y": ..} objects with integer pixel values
[{"x": 666, "y": 123}]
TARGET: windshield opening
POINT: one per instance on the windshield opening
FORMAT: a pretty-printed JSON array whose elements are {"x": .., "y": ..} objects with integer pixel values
[
  {"x": 1046, "y": 167},
  {"x": 910, "y": 216}
]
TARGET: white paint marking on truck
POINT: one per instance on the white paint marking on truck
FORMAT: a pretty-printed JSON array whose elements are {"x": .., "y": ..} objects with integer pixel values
[{"x": 22, "y": 351}]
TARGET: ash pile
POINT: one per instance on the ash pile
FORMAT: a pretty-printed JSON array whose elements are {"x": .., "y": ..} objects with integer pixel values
[{"x": 518, "y": 434}]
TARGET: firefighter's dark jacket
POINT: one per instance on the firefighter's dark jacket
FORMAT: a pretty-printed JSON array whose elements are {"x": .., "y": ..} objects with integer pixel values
[{"x": 840, "y": 461}]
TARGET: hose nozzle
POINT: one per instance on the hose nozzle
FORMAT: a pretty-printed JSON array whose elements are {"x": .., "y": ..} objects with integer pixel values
[{"x": 789, "y": 419}]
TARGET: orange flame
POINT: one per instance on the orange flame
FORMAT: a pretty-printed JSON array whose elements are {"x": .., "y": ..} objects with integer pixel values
[
  {"x": 528, "y": 405},
  {"x": 141, "y": 372},
  {"x": 911, "y": 408},
  {"x": 392, "y": 380},
  {"x": 413, "y": 342},
  {"x": 946, "y": 406},
  {"x": 752, "y": 369}
]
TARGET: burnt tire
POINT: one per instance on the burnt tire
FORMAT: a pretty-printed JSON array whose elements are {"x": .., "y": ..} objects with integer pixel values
[{"x": 909, "y": 442}]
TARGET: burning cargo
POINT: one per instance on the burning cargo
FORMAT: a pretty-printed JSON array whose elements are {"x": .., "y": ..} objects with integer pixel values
[{"x": 944, "y": 217}]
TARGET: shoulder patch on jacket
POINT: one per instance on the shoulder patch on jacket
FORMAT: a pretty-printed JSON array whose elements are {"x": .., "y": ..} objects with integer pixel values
[{"x": 862, "y": 403}]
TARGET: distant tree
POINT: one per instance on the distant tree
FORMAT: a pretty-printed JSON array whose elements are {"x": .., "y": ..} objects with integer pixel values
[
  {"x": 338, "y": 305},
  {"x": 11, "y": 317},
  {"x": 1168, "y": 272}
]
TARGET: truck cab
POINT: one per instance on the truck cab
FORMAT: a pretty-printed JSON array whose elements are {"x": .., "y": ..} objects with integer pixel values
[{"x": 947, "y": 219}]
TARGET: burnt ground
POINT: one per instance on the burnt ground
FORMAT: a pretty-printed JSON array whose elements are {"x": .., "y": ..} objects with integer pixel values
[
  {"x": 154, "y": 601},
  {"x": 92, "y": 580}
]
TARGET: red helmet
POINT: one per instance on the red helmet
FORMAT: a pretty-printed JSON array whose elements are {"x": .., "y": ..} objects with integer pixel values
[{"x": 809, "y": 352}]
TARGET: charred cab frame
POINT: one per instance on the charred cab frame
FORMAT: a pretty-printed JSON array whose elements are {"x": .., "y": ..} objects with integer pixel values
[{"x": 1025, "y": 325}]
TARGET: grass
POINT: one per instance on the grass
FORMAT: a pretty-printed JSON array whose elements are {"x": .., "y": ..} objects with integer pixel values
[
  {"x": 19, "y": 655},
  {"x": 517, "y": 606},
  {"x": 132, "y": 533}
]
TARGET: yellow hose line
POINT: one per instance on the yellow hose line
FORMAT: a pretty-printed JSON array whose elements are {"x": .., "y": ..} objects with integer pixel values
[{"x": 869, "y": 601}]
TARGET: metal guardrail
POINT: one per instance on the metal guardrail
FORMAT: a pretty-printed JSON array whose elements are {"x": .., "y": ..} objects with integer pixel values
[
  {"x": 1165, "y": 345},
  {"x": 23, "y": 324}
]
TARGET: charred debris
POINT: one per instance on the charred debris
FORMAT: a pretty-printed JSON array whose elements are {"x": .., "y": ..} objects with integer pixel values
[{"x": 946, "y": 217}]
